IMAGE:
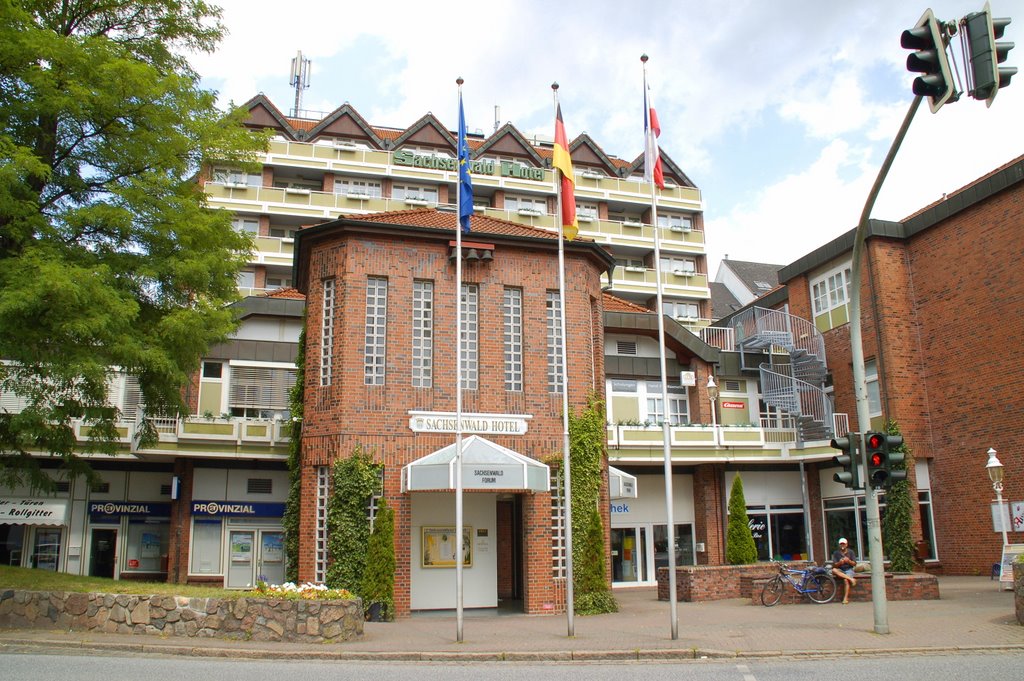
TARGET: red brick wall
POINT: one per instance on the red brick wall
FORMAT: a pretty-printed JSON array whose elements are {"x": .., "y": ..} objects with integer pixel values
[
  {"x": 347, "y": 413},
  {"x": 708, "y": 509},
  {"x": 948, "y": 315}
]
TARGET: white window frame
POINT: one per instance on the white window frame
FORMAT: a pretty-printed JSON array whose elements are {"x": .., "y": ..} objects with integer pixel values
[
  {"x": 670, "y": 220},
  {"x": 235, "y": 176},
  {"x": 375, "y": 351},
  {"x": 414, "y": 192},
  {"x": 531, "y": 204},
  {"x": 470, "y": 336},
  {"x": 353, "y": 187},
  {"x": 513, "y": 312},
  {"x": 874, "y": 388},
  {"x": 674, "y": 263},
  {"x": 246, "y": 225},
  {"x": 556, "y": 371},
  {"x": 831, "y": 290},
  {"x": 327, "y": 308},
  {"x": 422, "y": 333},
  {"x": 680, "y": 309}
]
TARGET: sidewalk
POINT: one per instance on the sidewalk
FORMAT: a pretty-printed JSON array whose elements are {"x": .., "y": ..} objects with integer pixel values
[{"x": 971, "y": 615}]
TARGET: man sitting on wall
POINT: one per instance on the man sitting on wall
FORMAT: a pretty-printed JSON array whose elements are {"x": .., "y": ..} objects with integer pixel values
[{"x": 843, "y": 562}]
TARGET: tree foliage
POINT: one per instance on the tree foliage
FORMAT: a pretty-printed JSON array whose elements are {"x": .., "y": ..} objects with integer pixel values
[
  {"x": 740, "y": 548},
  {"x": 587, "y": 441},
  {"x": 109, "y": 257},
  {"x": 897, "y": 522},
  {"x": 378, "y": 584}
]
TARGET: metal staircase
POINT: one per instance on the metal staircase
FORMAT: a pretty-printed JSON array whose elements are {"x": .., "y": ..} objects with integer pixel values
[{"x": 793, "y": 386}]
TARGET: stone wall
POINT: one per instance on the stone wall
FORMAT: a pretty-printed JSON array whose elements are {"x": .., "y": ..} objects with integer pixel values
[{"x": 259, "y": 619}]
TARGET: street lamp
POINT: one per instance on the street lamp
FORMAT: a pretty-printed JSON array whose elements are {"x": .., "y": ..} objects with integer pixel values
[
  {"x": 713, "y": 395},
  {"x": 995, "y": 474}
]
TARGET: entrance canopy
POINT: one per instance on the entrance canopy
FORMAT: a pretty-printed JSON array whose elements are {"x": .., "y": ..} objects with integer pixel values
[
  {"x": 621, "y": 485},
  {"x": 485, "y": 465}
]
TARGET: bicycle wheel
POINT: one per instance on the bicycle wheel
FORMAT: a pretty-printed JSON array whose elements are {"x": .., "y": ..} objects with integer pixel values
[
  {"x": 772, "y": 591},
  {"x": 821, "y": 588}
]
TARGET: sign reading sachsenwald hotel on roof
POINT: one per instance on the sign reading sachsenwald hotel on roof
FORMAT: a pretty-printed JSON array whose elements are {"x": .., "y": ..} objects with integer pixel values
[{"x": 504, "y": 168}]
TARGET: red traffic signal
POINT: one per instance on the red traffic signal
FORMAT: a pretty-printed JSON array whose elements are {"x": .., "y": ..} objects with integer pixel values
[{"x": 876, "y": 449}]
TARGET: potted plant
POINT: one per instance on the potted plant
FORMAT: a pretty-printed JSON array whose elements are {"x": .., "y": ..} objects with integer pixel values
[{"x": 378, "y": 587}]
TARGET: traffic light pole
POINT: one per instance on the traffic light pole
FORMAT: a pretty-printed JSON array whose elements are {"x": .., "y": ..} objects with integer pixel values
[{"x": 860, "y": 385}]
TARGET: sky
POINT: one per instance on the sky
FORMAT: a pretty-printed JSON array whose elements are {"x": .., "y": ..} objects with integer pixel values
[{"x": 781, "y": 112}]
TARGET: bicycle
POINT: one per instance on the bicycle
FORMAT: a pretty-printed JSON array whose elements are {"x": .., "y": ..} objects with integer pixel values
[{"x": 817, "y": 583}]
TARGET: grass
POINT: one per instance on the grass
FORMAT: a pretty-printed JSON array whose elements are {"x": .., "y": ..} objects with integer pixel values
[{"x": 44, "y": 580}]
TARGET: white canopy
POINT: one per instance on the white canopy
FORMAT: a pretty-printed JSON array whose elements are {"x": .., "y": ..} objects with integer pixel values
[
  {"x": 621, "y": 485},
  {"x": 485, "y": 465}
]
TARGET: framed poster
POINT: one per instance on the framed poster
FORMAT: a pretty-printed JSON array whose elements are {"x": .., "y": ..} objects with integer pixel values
[{"x": 437, "y": 547}]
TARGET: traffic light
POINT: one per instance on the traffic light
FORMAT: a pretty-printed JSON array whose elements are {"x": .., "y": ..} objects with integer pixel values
[
  {"x": 848, "y": 460},
  {"x": 875, "y": 447},
  {"x": 986, "y": 54},
  {"x": 930, "y": 60},
  {"x": 894, "y": 458}
]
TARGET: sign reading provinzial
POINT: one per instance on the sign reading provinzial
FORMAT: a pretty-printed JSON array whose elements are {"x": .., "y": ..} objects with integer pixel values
[
  {"x": 28, "y": 511},
  {"x": 483, "y": 424}
]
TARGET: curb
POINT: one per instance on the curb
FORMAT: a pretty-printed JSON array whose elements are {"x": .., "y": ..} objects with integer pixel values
[{"x": 639, "y": 655}]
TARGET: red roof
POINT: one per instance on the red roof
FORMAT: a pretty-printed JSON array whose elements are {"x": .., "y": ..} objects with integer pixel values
[
  {"x": 290, "y": 293},
  {"x": 432, "y": 218},
  {"x": 616, "y": 304}
]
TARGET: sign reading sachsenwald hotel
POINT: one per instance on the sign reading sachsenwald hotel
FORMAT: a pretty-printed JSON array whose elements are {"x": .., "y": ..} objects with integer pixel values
[{"x": 482, "y": 424}]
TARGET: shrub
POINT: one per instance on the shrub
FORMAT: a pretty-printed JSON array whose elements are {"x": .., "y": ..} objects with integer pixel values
[
  {"x": 379, "y": 577},
  {"x": 739, "y": 544}
]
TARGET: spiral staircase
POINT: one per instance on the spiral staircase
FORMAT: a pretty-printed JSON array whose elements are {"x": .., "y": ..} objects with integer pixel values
[{"x": 794, "y": 383}]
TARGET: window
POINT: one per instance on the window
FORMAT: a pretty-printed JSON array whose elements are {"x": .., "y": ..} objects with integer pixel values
[
  {"x": 678, "y": 413},
  {"x": 376, "y": 330},
  {"x": 246, "y": 280},
  {"x": 631, "y": 263},
  {"x": 513, "y": 339},
  {"x": 278, "y": 282},
  {"x": 236, "y": 177},
  {"x": 213, "y": 369},
  {"x": 681, "y": 310},
  {"x": 687, "y": 265},
  {"x": 282, "y": 232},
  {"x": 412, "y": 193},
  {"x": 674, "y": 222},
  {"x": 556, "y": 373},
  {"x": 830, "y": 294},
  {"x": 779, "y": 532},
  {"x": 146, "y": 544},
  {"x": 874, "y": 393},
  {"x": 422, "y": 333},
  {"x": 533, "y": 205},
  {"x": 351, "y": 187},
  {"x": 206, "y": 536},
  {"x": 327, "y": 332},
  {"x": 260, "y": 392},
  {"x": 246, "y": 225},
  {"x": 470, "y": 337},
  {"x": 323, "y": 491},
  {"x": 587, "y": 211}
]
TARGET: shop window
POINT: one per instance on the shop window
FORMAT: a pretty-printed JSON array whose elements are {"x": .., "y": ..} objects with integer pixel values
[
  {"x": 206, "y": 547},
  {"x": 146, "y": 547}
]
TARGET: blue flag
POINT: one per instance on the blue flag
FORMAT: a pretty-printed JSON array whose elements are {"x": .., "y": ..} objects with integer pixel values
[{"x": 465, "y": 183}]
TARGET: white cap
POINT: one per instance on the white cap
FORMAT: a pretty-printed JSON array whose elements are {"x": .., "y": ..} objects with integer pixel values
[{"x": 842, "y": 540}]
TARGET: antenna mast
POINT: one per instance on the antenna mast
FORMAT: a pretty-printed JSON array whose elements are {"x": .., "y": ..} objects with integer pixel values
[{"x": 299, "y": 80}]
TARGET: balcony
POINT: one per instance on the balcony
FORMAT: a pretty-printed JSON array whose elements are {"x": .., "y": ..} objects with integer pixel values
[{"x": 634, "y": 280}]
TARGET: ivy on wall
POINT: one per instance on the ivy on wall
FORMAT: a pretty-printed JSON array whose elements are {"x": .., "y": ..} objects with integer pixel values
[
  {"x": 355, "y": 480},
  {"x": 897, "y": 536},
  {"x": 292, "y": 507},
  {"x": 587, "y": 442}
]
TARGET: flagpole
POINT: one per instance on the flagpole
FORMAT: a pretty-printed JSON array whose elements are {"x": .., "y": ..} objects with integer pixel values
[
  {"x": 666, "y": 432},
  {"x": 458, "y": 388},
  {"x": 566, "y": 472}
]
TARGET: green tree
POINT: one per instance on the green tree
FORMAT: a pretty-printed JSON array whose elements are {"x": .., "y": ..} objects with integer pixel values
[
  {"x": 739, "y": 542},
  {"x": 109, "y": 257},
  {"x": 897, "y": 537},
  {"x": 379, "y": 577}
]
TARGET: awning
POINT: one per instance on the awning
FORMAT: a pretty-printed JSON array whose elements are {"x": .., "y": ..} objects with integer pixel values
[
  {"x": 621, "y": 485},
  {"x": 29, "y": 511},
  {"x": 485, "y": 465}
]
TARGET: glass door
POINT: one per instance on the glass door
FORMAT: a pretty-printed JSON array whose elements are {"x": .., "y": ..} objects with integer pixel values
[
  {"x": 46, "y": 548},
  {"x": 103, "y": 552},
  {"x": 241, "y": 561},
  {"x": 629, "y": 546},
  {"x": 271, "y": 558}
]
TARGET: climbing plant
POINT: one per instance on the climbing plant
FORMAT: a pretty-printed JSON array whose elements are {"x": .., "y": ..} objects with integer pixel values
[
  {"x": 292, "y": 506},
  {"x": 739, "y": 542},
  {"x": 897, "y": 537},
  {"x": 587, "y": 440},
  {"x": 355, "y": 480}
]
